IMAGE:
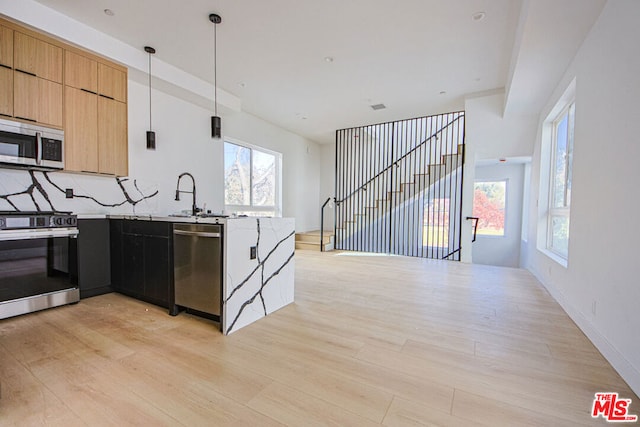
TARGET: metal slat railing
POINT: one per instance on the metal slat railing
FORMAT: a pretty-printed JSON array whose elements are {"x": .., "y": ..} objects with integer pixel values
[{"x": 399, "y": 187}]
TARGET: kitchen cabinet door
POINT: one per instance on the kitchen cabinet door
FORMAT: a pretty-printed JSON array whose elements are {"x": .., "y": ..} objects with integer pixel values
[
  {"x": 6, "y": 91},
  {"x": 6, "y": 47},
  {"x": 80, "y": 72},
  {"x": 25, "y": 89},
  {"x": 115, "y": 252},
  {"x": 146, "y": 262},
  {"x": 112, "y": 137},
  {"x": 37, "y": 57},
  {"x": 133, "y": 265},
  {"x": 81, "y": 130},
  {"x": 112, "y": 83},
  {"x": 49, "y": 103},
  {"x": 157, "y": 269},
  {"x": 94, "y": 259},
  {"x": 25, "y": 52}
]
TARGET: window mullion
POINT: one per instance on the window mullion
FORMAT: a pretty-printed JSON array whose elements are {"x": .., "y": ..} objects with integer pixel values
[
  {"x": 251, "y": 177},
  {"x": 566, "y": 164}
]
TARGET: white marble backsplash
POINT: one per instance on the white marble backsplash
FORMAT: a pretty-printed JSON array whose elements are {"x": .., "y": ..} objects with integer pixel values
[{"x": 29, "y": 190}]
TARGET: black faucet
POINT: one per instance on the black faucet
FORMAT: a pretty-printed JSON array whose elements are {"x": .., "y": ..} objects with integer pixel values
[{"x": 194, "y": 209}]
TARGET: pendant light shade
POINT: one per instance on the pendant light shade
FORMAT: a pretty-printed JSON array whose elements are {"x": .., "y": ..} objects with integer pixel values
[
  {"x": 216, "y": 121},
  {"x": 151, "y": 135}
]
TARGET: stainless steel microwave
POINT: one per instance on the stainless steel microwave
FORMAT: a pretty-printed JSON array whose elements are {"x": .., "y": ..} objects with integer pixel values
[{"x": 29, "y": 145}]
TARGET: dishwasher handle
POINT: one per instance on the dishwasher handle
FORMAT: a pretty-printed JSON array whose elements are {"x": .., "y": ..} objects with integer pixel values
[{"x": 196, "y": 233}]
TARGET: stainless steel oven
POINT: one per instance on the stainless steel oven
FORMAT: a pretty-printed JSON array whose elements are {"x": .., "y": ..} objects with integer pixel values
[{"x": 38, "y": 261}]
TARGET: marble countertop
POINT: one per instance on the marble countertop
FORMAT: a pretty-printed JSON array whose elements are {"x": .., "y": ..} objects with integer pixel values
[
  {"x": 154, "y": 217},
  {"x": 165, "y": 218}
]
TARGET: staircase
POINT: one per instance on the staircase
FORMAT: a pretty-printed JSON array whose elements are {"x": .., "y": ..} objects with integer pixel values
[
  {"x": 399, "y": 186},
  {"x": 311, "y": 240}
]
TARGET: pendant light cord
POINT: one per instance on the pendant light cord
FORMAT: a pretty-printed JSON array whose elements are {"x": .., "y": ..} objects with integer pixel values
[
  {"x": 215, "y": 69},
  {"x": 150, "y": 129}
]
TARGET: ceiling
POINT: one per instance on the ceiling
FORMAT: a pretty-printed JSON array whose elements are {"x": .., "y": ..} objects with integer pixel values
[{"x": 314, "y": 66}]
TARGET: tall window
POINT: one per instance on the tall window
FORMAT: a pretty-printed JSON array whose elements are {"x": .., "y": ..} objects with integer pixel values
[
  {"x": 251, "y": 180},
  {"x": 489, "y": 202},
  {"x": 560, "y": 182}
]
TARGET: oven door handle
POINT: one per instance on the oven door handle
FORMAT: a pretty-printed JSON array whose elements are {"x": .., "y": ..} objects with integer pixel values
[
  {"x": 38, "y": 233},
  {"x": 38, "y": 148}
]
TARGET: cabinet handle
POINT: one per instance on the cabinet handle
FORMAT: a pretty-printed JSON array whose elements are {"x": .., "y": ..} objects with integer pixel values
[
  {"x": 108, "y": 97},
  {"x": 5, "y": 66},
  {"x": 24, "y": 118},
  {"x": 196, "y": 233},
  {"x": 26, "y": 72},
  {"x": 89, "y": 91}
]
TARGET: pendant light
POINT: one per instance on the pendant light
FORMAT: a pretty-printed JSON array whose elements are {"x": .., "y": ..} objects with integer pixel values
[
  {"x": 216, "y": 121},
  {"x": 151, "y": 135}
]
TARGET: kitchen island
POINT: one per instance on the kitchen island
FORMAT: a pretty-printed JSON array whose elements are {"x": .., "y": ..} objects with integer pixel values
[{"x": 257, "y": 262}]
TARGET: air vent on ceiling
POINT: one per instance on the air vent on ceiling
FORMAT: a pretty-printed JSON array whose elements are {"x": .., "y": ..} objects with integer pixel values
[{"x": 378, "y": 106}]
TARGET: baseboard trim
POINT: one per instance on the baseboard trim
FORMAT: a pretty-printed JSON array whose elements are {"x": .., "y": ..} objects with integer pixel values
[{"x": 626, "y": 370}]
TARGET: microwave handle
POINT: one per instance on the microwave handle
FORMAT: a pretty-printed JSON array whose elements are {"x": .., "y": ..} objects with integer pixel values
[{"x": 38, "y": 148}]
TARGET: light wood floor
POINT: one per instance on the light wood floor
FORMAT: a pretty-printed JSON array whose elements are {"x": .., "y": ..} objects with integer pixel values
[{"x": 370, "y": 340}]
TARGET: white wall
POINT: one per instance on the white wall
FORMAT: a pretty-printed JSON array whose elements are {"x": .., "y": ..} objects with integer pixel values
[
  {"x": 495, "y": 136},
  {"x": 503, "y": 250},
  {"x": 328, "y": 181},
  {"x": 182, "y": 128},
  {"x": 599, "y": 288}
]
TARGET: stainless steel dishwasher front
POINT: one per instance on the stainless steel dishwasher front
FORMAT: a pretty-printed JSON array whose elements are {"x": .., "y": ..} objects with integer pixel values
[{"x": 197, "y": 271}]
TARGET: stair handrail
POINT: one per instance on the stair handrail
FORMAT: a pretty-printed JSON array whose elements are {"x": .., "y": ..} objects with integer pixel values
[
  {"x": 475, "y": 220},
  {"x": 475, "y": 232},
  {"x": 434, "y": 135},
  {"x": 322, "y": 222}
]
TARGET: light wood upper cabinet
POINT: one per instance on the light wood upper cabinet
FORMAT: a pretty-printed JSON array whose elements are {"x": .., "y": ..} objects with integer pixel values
[
  {"x": 80, "y": 72},
  {"x": 26, "y": 52},
  {"x": 112, "y": 83},
  {"x": 112, "y": 137},
  {"x": 38, "y": 100},
  {"x": 6, "y": 91},
  {"x": 46, "y": 81},
  {"x": 81, "y": 130},
  {"x": 37, "y": 57},
  {"x": 6, "y": 46},
  {"x": 25, "y": 105},
  {"x": 49, "y": 103}
]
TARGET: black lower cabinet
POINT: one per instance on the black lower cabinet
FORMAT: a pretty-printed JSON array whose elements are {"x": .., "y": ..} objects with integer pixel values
[
  {"x": 157, "y": 270},
  {"x": 133, "y": 263},
  {"x": 94, "y": 257},
  {"x": 142, "y": 261}
]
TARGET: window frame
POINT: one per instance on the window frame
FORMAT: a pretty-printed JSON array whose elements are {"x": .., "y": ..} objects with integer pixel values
[
  {"x": 547, "y": 171},
  {"x": 277, "y": 208},
  {"x": 506, "y": 201},
  {"x": 563, "y": 211}
]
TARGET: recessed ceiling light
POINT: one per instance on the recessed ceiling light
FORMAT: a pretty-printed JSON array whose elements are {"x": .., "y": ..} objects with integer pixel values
[
  {"x": 378, "y": 106},
  {"x": 328, "y": 59},
  {"x": 443, "y": 92},
  {"x": 109, "y": 12},
  {"x": 478, "y": 16}
]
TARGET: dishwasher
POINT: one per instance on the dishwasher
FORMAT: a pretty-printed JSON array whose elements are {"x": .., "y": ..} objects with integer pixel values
[{"x": 197, "y": 267}]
